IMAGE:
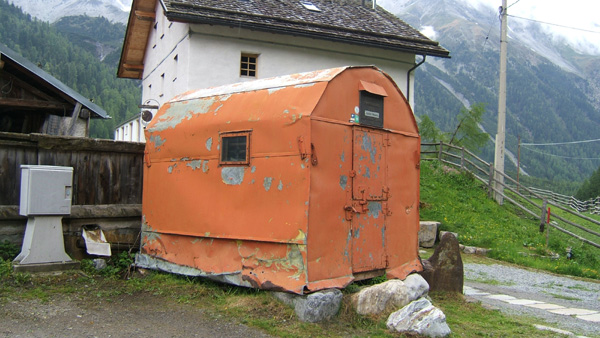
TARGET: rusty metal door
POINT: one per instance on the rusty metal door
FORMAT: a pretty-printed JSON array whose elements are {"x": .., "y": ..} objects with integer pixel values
[{"x": 369, "y": 199}]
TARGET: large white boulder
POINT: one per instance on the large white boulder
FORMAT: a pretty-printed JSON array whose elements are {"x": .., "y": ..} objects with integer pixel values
[
  {"x": 419, "y": 317},
  {"x": 390, "y": 295}
]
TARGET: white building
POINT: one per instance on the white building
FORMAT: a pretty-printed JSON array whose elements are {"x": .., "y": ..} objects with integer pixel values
[
  {"x": 131, "y": 130},
  {"x": 176, "y": 46}
]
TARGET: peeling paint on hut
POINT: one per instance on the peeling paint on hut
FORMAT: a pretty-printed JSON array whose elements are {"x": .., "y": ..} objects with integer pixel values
[{"x": 297, "y": 183}]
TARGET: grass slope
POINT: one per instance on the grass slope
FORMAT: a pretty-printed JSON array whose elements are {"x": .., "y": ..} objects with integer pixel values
[{"x": 461, "y": 204}]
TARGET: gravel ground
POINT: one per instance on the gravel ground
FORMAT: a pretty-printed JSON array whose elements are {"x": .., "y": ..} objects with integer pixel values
[
  {"x": 526, "y": 284},
  {"x": 141, "y": 315}
]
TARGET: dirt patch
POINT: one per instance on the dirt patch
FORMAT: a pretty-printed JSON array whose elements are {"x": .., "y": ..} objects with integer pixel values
[{"x": 96, "y": 311}]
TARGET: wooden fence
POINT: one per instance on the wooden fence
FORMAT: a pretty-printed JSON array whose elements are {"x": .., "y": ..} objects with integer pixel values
[
  {"x": 104, "y": 171},
  {"x": 520, "y": 196},
  {"x": 592, "y": 205},
  {"x": 107, "y": 186}
]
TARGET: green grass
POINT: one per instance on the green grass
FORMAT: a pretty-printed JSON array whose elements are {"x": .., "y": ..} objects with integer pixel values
[
  {"x": 254, "y": 307},
  {"x": 559, "y": 296},
  {"x": 457, "y": 200},
  {"x": 461, "y": 204}
]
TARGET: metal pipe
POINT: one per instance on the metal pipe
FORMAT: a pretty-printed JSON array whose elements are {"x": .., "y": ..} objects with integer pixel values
[{"x": 408, "y": 77}]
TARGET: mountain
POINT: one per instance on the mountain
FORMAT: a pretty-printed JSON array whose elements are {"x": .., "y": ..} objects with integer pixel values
[
  {"x": 553, "y": 89},
  {"x": 553, "y": 84},
  {"x": 52, "y": 10},
  {"x": 71, "y": 55}
]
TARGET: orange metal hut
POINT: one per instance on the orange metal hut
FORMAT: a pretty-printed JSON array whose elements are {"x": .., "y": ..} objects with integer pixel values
[{"x": 296, "y": 183}]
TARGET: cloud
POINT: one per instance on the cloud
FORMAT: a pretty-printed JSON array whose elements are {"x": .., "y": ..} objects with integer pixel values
[
  {"x": 429, "y": 32},
  {"x": 581, "y": 14}
]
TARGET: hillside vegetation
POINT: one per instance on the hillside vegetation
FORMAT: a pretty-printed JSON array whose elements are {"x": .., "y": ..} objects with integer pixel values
[
  {"x": 460, "y": 203},
  {"x": 73, "y": 57},
  {"x": 545, "y": 103}
]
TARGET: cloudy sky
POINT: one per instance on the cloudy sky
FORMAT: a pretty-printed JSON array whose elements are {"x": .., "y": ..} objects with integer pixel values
[{"x": 583, "y": 14}]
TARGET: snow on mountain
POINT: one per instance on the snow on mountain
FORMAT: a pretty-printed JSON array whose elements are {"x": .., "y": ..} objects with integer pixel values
[
  {"x": 552, "y": 20},
  {"x": 53, "y": 10}
]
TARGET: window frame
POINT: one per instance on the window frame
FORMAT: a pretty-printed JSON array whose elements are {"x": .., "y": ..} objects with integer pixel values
[
  {"x": 245, "y": 66},
  {"x": 231, "y": 134}
]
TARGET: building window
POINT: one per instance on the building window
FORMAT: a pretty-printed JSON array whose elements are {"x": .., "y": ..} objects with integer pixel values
[
  {"x": 235, "y": 148},
  {"x": 162, "y": 85},
  {"x": 248, "y": 65},
  {"x": 155, "y": 34},
  {"x": 175, "y": 66}
]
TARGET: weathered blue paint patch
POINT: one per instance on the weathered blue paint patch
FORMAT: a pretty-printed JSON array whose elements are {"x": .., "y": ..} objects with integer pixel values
[
  {"x": 383, "y": 237},
  {"x": 343, "y": 182},
  {"x": 209, "y": 143},
  {"x": 205, "y": 166},
  {"x": 367, "y": 173},
  {"x": 195, "y": 164},
  {"x": 267, "y": 183},
  {"x": 276, "y": 89},
  {"x": 367, "y": 145},
  {"x": 179, "y": 111},
  {"x": 232, "y": 175},
  {"x": 304, "y": 85},
  {"x": 253, "y": 170},
  {"x": 157, "y": 140},
  {"x": 171, "y": 168},
  {"x": 280, "y": 186},
  {"x": 357, "y": 233},
  {"x": 374, "y": 209},
  {"x": 343, "y": 156}
]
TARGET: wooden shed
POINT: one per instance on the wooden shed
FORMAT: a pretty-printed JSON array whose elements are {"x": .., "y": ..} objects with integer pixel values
[{"x": 296, "y": 183}]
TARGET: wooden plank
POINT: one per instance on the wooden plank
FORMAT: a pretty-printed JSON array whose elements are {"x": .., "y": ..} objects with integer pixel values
[
  {"x": 31, "y": 104},
  {"x": 574, "y": 235},
  {"x": 105, "y": 171}
]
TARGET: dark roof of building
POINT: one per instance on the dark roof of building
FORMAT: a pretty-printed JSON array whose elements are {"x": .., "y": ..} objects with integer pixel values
[
  {"x": 7, "y": 54},
  {"x": 339, "y": 20},
  {"x": 346, "y": 21}
]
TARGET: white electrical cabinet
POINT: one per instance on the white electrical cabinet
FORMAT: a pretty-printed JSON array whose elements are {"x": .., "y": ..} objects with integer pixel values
[{"x": 46, "y": 190}]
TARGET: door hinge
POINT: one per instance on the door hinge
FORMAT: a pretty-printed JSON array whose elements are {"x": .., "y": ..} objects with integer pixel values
[
  {"x": 350, "y": 211},
  {"x": 301, "y": 148},
  {"x": 313, "y": 155},
  {"x": 147, "y": 159}
]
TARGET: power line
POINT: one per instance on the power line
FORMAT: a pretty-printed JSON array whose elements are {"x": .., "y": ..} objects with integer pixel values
[
  {"x": 569, "y": 157},
  {"x": 554, "y": 24},
  {"x": 559, "y": 143},
  {"x": 514, "y": 3}
]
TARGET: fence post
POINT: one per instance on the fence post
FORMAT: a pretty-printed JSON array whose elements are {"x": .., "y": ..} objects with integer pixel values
[
  {"x": 543, "y": 217},
  {"x": 440, "y": 152},
  {"x": 491, "y": 181},
  {"x": 462, "y": 158}
]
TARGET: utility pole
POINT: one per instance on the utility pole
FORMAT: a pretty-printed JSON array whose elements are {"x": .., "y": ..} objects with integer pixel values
[
  {"x": 501, "y": 134},
  {"x": 518, "y": 163}
]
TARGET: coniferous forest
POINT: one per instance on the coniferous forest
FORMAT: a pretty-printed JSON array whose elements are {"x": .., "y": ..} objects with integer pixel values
[{"x": 83, "y": 53}]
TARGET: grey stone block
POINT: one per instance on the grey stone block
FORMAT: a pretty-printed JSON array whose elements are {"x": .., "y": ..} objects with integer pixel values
[{"x": 428, "y": 233}]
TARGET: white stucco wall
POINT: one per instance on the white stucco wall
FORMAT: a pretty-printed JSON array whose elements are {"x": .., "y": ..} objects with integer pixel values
[
  {"x": 131, "y": 131},
  {"x": 182, "y": 57}
]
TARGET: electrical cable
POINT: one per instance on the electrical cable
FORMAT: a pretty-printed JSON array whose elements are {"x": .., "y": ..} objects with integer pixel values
[
  {"x": 514, "y": 3},
  {"x": 559, "y": 143},
  {"x": 568, "y": 157},
  {"x": 554, "y": 24}
]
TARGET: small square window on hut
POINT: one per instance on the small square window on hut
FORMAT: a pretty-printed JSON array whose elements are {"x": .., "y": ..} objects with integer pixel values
[
  {"x": 248, "y": 65},
  {"x": 235, "y": 148}
]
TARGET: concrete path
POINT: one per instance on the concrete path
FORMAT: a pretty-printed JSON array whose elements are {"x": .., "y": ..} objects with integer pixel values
[{"x": 565, "y": 304}]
